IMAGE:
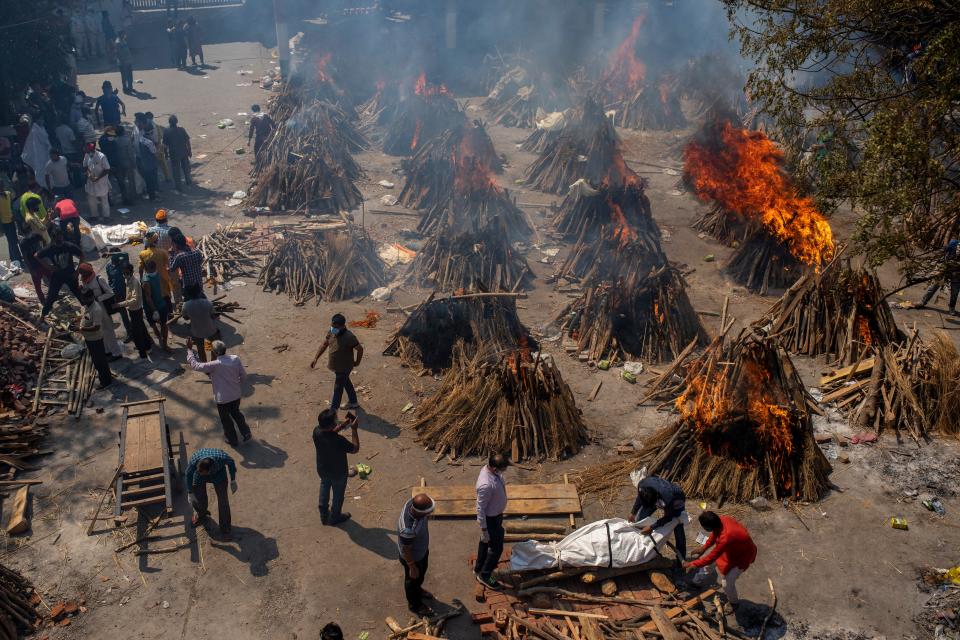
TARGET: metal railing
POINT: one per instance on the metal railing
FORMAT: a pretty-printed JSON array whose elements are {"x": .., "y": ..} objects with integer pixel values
[{"x": 142, "y": 5}]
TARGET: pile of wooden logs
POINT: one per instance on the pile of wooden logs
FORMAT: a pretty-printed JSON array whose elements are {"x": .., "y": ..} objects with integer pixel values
[
  {"x": 18, "y": 614},
  {"x": 428, "y": 336},
  {"x": 463, "y": 257},
  {"x": 587, "y": 147},
  {"x": 641, "y": 315},
  {"x": 454, "y": 156},
  {"x": 227, "y": 255},
  {"x": 307, "y": 162},
  {"x": 725, "y": 226},
  {"x": 839, "y": 312},
  {"x": 419, "y": 118},
  {"x": 502, "y": 400},
  {"x": 744, "y": 428},
  {"x": 328, "y": 265},
  {"x": 939, "y": 387},
  {"x": 762, "y": 263},
  {"x": 621, "y": 208},
  {"x": 654, "y": 106},
  {"x": 376, "y": 113},
  {"x": 477, "y": 206},
  {"x": 517, "y": 97},
  {"x": 21, "y": 352}
]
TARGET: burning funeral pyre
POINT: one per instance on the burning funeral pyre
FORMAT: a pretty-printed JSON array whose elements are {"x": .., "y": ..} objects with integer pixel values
[
  {"x": 379, "y": 111},
  {"x": 778, "y": 233},
  {"x": 325, "y": 265},
  {"x": 307, "y": 164},
  {"x": 744, "y": 429},
  {"x": 587, "y": 147},
  {"x": 478, "y": 321},
  {"x": 518, "y": 97},
  {"x": 638, "y": 102},
  {"x": 839, "y": 312},
  {"x": 432, "y": 170},
  {"x": 431, "y": 110},
  {"x": 634, "y": 302},
  {"x": 502, "y": 400}
]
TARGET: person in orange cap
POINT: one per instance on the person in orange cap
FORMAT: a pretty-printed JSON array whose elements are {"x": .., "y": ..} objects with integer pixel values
[{"x": 162, "y": 229}]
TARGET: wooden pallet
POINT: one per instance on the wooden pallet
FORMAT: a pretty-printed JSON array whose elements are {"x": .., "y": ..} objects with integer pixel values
[
  {"x": 147, "y": 472},
  {"x": 454, "y": 501}
]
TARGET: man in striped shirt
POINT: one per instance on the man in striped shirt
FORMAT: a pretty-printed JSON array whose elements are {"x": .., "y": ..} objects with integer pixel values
[
  {"x": 413, "y": 541},
  {"x": 211, "y": 466}
]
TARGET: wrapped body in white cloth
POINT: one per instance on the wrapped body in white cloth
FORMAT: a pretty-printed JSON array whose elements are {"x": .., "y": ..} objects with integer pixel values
[{"x": 611, "y": 543}]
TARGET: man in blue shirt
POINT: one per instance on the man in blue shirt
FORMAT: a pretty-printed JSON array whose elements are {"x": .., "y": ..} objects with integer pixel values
[
  {"x": 211, "y": 466},
  {"x": 656, "y": 493},
  {"x": 109, "y": 106}
]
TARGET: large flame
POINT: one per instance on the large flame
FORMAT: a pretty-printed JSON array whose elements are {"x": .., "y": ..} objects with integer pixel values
[
  {"x": 421, "y": 88},
  {"x": 745, "y": 176},
  {"x": 624, "y": 73}
]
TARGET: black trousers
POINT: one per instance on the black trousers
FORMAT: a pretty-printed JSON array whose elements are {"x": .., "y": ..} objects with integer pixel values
[
  {"x": 98, "y": 355},
  {"x": 126, "y": 77},
  {"x": 413, "y": 587},
  {"x": 201, "y": 504},
  {"x": 138, "y": 331},
  {"x": 488, "y": 553},
  {"x": 57, "y": 280},
  {"x": 230, "y": 414},
  {"x": 71, "y": 230}
]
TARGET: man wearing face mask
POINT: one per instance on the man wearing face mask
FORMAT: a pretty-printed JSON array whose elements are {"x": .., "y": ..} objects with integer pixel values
[
  {"x": 491, "y": 503},
  {"x": 345, "y": 354}
]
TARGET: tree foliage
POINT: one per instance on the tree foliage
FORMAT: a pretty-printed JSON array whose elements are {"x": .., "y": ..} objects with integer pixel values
[
  {"x": 34, "y": 45},
  {"x": 873, "y": 86}
]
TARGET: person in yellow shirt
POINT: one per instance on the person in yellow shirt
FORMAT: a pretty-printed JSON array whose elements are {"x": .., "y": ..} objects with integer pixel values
[
  {"x": 9, "y": 226},
  {"x": 161, "y": 258},
  {"x": 32, "y": 194}
]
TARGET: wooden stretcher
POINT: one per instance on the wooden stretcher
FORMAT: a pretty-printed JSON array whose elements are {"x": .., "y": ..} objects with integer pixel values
[{"x": 147, "y": 472}]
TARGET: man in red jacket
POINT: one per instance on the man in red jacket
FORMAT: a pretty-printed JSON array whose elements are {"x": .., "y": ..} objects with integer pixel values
[{"x": 733, "y": 551}]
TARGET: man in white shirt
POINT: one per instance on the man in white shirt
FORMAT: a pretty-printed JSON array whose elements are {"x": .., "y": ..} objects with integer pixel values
[
  {"x": 57, "y": 175},
  {"x": 98, "y": 182}
]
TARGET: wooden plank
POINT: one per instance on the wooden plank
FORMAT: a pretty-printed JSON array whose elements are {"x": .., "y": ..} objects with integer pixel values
[
  {"x": 166, "y": 454},
  {"x": 144, "y": 501},
  {"x": 514, "y": 491},
  {"x": 837, "y": 374},
  {"x": 19, "y": 522},
  {"x": 139, "y": 491},
  {"x": 118, "y": 489},
  {"x": 666, "y": 628},
  {"x": 127, "y": 481},
  {"x": 548, "y": 506},
  {"x": 138, "y": 402},
  {"x": 570, "y": 614},
  {"x": 673, "y": 612},
  {"x": 844, "y": 391}
]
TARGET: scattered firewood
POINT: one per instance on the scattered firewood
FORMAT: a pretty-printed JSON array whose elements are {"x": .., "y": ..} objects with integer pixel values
[
  {"x": 502, "y": 400},
  {"x": 18, "y": 615}
]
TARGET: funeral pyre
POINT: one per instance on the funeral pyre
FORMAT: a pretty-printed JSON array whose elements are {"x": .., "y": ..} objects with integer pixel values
[
  {"x": 744, "y": 428},
  {"x": 322, "y": 264},
  {"x": 428, "y": 112},
  {"x": 519, "y": 95},
  {"x": 639, "y": 102},
  {"x": 475, "y": 320},
  {"x": 587, "y": 147},
  {"x": 433, "y": 169},
  {"x": 306, "y": 164},
  {"x": 502, "y": 399},
  {"x": 778, "y": 233},
  {"x": 377, "y": 113},
  {"x": 839, "y": 312}
]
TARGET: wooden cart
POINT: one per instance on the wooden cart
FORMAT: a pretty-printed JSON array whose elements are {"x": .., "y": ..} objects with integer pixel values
[{"x": 148, "y": 474}]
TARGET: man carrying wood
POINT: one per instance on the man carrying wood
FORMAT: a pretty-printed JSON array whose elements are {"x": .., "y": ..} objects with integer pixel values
[
  {"x": 733, "y": 551},
  {"x": 656, "y": 493},
  {"x": 211, "y": 466},
  {"x": 413, "y": 541},
  {"x": 346, "y": 352},
  {"x": 491, "y": 503},
  {"x": 332, "y": 450}
]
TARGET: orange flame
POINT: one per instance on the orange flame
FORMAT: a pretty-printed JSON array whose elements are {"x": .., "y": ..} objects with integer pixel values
[
  {"x": 416, "y": 136},
  {"x": 472, "y": 172},
  {"x": 521, "y": 355},
  {"x": 421, "y": 88},
  {"x": 322, "y": 75},
  {"x": 745, "y": 177},
  {"x": 863, "y": 329},
  {"x": 624, "y": 72},
  {"x": 622, "y": 230}
]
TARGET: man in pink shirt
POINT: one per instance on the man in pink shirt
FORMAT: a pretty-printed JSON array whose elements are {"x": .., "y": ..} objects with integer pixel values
[
  {"x": 227, "y": 375},
  {"x": 491, "y": 503}
]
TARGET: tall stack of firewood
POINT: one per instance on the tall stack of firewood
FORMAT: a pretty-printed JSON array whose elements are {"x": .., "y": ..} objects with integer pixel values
[
  {"x": 428, "y": 112},
  {"x": 502, "y": 400},
  {"x": 519, "y": 95},
  {"x": 587, "y": 147},
  {"x": 839, "y": 312},
  {"x": 653, "y": 105}
]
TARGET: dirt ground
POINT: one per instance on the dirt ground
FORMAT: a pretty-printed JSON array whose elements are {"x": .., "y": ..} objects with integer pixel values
[{"x": 839, "y": 569}]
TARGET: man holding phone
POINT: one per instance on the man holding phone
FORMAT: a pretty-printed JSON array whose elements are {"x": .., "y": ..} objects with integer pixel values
[{"x": 332, "y": 450}]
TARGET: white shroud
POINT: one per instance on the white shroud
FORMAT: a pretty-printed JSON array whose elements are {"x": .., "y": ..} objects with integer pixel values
[{"x": 611, "y": 543}]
